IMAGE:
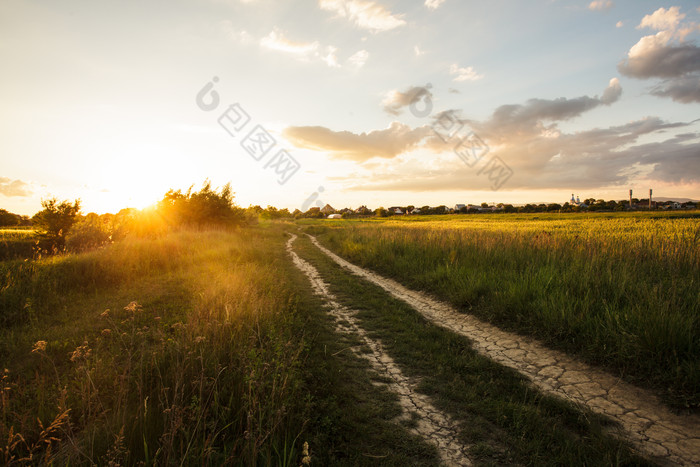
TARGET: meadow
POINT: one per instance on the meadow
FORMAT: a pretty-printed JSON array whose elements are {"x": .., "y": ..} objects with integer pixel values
[
  {"x": 618, "y": 290},
  {"x": 183, "y": 348},
  {"x": 206, "y": 345},
  {"x": 17, "y": 243}
]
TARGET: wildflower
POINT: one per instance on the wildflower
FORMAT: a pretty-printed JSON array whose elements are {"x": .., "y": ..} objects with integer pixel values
[
  {"x": 106, "y": 332},
  {"x": 81, "y": 352},
  {"x": 306, "y": 458},
  {"x": 133, "y": 307},
  {"x": 39, "y": 346},
  {"x": 105, "y": 314}
]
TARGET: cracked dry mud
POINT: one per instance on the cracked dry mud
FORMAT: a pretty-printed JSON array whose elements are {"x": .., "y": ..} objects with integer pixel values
[
  {"x": 643, "y": 421},
  {"x": 433, "y": 425}
]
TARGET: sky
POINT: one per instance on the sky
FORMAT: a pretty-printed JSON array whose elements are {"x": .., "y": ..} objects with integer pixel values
[{"x": 348, "y": 102}]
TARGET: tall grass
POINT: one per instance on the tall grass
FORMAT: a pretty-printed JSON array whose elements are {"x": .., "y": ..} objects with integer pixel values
[
  {"x": 16, "y": 243},
  {"x": 618, "y": 291},
  {"x": 202, "y": 366}
]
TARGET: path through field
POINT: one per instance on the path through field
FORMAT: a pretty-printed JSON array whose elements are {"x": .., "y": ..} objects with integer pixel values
[
  {"x": 434, "y": 426},
  {"x": 644, "y": 422}
]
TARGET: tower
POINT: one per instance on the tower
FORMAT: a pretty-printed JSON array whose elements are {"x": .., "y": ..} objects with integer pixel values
[
  {"x": 630, "y": 199},
  {"x": 650, "y": 199}
]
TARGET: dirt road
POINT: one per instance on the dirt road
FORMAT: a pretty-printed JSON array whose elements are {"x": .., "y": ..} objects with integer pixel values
[
  {"x": 433, "y": 425},
  {"x": 646, "y": 423}
]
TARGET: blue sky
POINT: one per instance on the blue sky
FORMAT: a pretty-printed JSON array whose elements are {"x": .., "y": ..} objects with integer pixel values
[{"x": 550, "y": 98}]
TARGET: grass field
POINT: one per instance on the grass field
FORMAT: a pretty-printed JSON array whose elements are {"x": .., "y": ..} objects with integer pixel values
[
  {"x": 619, "y": 290},
  {"x": 502, "y": 420},
  {"x": 16, "y": 243},
  {"x": 185, "y": 348},
  {"x": 209, "y": 347}
]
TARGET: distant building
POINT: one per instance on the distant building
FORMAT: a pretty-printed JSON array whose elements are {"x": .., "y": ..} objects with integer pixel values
[
  {"x": 327, "y": 209},
  {"x": 334, "y": 216},
  {"x": 458, "y": 207},
  {"x": 577, "y": 201},
  {"x": 395, "y": 210}
]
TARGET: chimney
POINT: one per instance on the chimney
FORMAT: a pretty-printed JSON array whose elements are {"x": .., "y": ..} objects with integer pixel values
[
  {"x": 630, "y": 199},
  {"x": 650, "y": 199}
]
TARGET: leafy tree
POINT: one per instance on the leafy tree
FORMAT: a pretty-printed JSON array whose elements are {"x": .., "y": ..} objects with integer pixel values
[
  {"x": 381, "y": 212},
  {"x": 9, "y": 219},
  {"x": 314, "y": 213},
  {"x": 204, "y": 207},
  {"x": 56, "y": 219}
]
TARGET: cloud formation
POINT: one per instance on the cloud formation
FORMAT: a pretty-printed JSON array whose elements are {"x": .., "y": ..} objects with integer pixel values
[
  {"x": 666, "y": 55},
  {"x": 586, "y": 160},
  {"x": 387, "y": 143},
  {"x": 526, "y": 137},
  {"x": 600, "y": 5},
  {"x": 306, "y": 51},
  {"x": 464, "y": 74},
  {"x": 395, "y": 101},
  {"x": 536, "y": 115},
  {"x": 685, "y": 89},
  {"x": 358, "y": 59},
  {"x": 276, "y": 41},
  {"x": 364, "y": 14},
  {"x": 11, "y": 188},
  {"x": 434, "y": 4}
]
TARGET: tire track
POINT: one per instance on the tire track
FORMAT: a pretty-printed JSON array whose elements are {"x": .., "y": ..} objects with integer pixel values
[
  {"x": 647, "y": 424},
  {"x": 433, "y": 425}
]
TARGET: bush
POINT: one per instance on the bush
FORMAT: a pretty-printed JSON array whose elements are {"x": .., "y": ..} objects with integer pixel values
[{"x": 89, "y": 232}]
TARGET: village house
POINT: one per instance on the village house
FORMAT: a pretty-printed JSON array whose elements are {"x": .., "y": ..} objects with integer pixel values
[{"x": 327, "y": 209}]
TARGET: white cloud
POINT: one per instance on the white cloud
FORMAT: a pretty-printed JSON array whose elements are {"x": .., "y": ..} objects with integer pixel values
[
  {"x": 9, "y": 187},
  {"x": 600, "y": 5},
  {"x": 276, "y": 41},
  {"x": 330, "y": 57},
  {"x": 387, "y": 143},
  {"x": 305, "y": 51},
  {"x": 395, "y": 101},
  {"x": 358, "y": 59},
  {"x": 434, "y": 4},
  {"x": 418, "y": 51},
  {"x": 666, "y": 55},
  {"x": 662, "y": 19},
  {"x": 619, "y": 24},
  {"x": 365, "y": 14},
  {"x": 464, "y": 74}
]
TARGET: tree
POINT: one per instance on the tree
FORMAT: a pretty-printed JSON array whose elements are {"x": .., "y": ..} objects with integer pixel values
[
  {"x": 204, "y": 207},
  {"x": 9, "y": 219},
  {"x": 381, "y": 212},
  {"x": 56, "y": 219}
]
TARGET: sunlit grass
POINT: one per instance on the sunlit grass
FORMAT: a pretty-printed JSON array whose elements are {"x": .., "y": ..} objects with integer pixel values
[
  {"x": 621, "y": 291},
  {"x": 182, "y": 348}
]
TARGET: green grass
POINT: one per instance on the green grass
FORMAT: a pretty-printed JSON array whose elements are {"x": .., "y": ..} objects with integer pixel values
[
  {"x": 205, "y": 369},
  {"x": 501, "y": 417},
  {"x": 619, "y": 291},
  {"x": 16, "y": 243},
  {"x": 227, "y": 359}
]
